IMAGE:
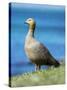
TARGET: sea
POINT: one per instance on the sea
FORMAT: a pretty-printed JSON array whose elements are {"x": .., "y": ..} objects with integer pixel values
[{"x": 50, "y": 30}]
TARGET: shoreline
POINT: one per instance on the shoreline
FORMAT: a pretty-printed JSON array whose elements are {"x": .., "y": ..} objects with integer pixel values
[{"x": 51, "y": 76}]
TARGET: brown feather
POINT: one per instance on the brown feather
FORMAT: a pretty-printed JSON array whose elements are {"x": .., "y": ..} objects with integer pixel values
[{"x": 36, "y": 51}]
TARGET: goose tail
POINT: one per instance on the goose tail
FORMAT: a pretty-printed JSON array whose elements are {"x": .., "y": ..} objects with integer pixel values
[{"x": 57, "y": 64}]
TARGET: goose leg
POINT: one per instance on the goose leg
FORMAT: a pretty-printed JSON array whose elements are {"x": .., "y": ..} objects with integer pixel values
[{"x": 37, "y": 67}]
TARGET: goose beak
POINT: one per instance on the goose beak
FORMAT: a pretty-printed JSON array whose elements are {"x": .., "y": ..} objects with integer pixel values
[{"x": 25, "y": 22}]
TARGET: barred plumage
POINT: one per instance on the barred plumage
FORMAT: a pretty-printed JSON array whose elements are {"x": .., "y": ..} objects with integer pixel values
[{"x": 36, "y": 51}]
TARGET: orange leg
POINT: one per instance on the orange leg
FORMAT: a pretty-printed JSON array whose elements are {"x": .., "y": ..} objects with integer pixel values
[{"x": 37, "y": 67}]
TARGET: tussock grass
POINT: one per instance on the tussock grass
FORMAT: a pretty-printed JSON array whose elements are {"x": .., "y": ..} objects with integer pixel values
[{"x": 51, "y": 76}]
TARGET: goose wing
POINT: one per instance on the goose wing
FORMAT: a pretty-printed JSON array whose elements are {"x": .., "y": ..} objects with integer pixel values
[{"x": 41, "y": 54}]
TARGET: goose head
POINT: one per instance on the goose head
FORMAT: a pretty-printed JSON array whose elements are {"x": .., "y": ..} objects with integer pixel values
[{"x": 31, "y": 23}]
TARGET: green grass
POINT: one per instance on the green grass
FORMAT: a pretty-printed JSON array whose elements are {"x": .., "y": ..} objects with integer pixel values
[{"x": 51, "y": 76}]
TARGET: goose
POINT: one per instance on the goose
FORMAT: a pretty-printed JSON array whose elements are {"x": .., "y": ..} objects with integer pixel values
[{"x": 36, "y": 52}]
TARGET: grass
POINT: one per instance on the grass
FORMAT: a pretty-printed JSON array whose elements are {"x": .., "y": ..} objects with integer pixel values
[{"x": 51, "y": 76}]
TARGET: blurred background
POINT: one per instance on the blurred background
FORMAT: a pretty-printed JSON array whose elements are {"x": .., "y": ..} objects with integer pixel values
[{"x": 50, "y": 30}]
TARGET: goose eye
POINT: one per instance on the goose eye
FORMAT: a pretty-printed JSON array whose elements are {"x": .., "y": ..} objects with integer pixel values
[{"x": 29, "y": 20}]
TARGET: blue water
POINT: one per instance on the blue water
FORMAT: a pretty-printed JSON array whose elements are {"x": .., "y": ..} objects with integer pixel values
[{"x": 50, "y": 30}]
